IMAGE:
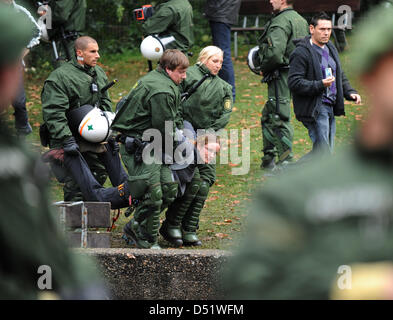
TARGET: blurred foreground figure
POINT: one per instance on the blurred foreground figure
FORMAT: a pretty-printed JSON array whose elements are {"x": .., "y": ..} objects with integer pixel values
[
  {"x": 35, "y": 262},
  {"x": 327, "y": 232}
]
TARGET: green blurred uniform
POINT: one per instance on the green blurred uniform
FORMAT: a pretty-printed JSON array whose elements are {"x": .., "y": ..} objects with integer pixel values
[
  {"x": 153, "y": 100},
  {"x": 304, "y": 227},
  {"x": 67, "y": 88},
  {"x": 172, "y": 18},
  {"x": 208, "y": 108},
  {"x": 29, "y": 236},
  {"x": 275, "y": 47},
  {"x": 29, "y": 233},
  {"x": 68, "y": 16}
]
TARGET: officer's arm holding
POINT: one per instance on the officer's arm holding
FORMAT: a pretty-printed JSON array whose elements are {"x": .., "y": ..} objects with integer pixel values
[
  {"x": 297, "y": 81},
  {"x": 272, "y": 50},
  {"x": 179, "y": 118},
  {"x": 159, "y": 22},
  {"x": 226, "y": 109},
  {"x": 55, "y": 103},
  {"x": 61, "y": 10}
]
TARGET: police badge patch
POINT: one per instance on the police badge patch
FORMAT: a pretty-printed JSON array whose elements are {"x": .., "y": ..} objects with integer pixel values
[{"x": 228, "y": 104}]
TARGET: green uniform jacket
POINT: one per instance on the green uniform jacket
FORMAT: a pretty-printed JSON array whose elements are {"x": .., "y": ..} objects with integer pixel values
[
  {"x": 69, "y": 87},
  {"x": 211, "y": 105},
  {"x": 29, "y": 235},
  {"x": 275, "y": 44},
  {"x": 304, "y": 226},
  {"x": 154, "y": 99},
  {"x": 172, "y": 18},
  {"x": 71, "y": 14}
]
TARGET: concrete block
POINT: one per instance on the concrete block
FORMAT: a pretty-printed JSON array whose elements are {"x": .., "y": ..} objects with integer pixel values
[
  {"x": 168, "y": 274},
  {"x": 99, "y": 214},
  {"x": 95, "y": 239}
]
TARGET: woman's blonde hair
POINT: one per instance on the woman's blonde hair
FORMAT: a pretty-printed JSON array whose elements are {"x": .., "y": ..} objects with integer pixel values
[{"x": 208, "y": 52}]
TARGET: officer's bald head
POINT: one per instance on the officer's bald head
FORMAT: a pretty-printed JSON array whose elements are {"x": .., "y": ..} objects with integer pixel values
[
  {"x": 86, "y": 50},
  {"x": 83, "y": 42}
]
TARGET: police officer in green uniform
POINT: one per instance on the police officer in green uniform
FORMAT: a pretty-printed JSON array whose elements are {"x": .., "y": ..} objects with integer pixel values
[
  {"x": 275, "y": 47},
  {"x": 71, "y": 86},
  {"x": 153, "y": 103},
  {"x": 324, "y": 232},
  {"x": 209, "y": 108},
  {"x": 172, "y": 18},
  {"x": 68, "y": 19},
  {"x": 29, "y": 236}
]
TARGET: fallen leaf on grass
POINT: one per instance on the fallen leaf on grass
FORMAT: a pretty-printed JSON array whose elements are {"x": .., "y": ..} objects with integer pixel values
[
  {"x": 225, "y": 223},
  {"x": 222, "y": 235},
  {"x": 212, "y": 198},
  {"x": 220, "y": 223}
]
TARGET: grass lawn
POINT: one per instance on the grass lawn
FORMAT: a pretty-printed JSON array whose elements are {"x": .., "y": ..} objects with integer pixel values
[{"x": 225, "y": 211}]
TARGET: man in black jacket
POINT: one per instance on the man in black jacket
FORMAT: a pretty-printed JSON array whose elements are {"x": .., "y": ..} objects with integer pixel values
[
  {"x": 221, "y": 15},
  {"x": 318, "y": 84}
]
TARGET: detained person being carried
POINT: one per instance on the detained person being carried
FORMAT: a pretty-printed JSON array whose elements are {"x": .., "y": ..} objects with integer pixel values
[{"x": 153, "y": 103}]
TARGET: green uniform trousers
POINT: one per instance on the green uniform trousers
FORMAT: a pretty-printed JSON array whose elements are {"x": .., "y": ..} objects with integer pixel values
[
  {"x": 277, "y": 131},
  {"x": 154, "y": 185},
  {"x": 186, "y": 209}
]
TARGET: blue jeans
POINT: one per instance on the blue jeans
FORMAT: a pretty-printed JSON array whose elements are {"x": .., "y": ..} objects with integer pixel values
[
  {"x": 221, "y": 33},
  {"x": 322, "y": 131},
  {"x": 21, "y": 118}
]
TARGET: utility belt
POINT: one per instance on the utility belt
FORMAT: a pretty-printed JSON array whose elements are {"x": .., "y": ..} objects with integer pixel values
[
  {"x": 133, "y": 146},
  {"x": 274, "y": 75}
]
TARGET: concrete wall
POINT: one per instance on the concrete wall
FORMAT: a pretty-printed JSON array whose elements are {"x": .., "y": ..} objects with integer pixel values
[{"x": 162, "y": 274}]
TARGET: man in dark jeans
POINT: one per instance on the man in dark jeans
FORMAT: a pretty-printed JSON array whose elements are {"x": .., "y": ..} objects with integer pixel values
[
  {"x": 318, "y": 84},
  {"x": 221, "y": 15}
]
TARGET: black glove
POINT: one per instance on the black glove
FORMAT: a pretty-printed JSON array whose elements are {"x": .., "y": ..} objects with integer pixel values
[
  {"x": 70, "y": 147},
  {"x": 130, "y": 145},
  {"x": 114, "y": 145},
  {"x": 138, "y": 155}
]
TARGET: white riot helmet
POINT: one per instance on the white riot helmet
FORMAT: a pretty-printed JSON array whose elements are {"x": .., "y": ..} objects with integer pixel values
[
  {"x": 152, "y": 47},
  {"x": 91, "y": 123},
  {"x": 253, "y": 60}
]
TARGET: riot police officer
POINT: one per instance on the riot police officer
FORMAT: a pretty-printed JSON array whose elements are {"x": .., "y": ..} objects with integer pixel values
[
  {"x": 153, "y": 103},
  {"x": 172, "y": 18},
  {"x": 72, "y": 88},
  {"x": 275, "y": 46}
]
